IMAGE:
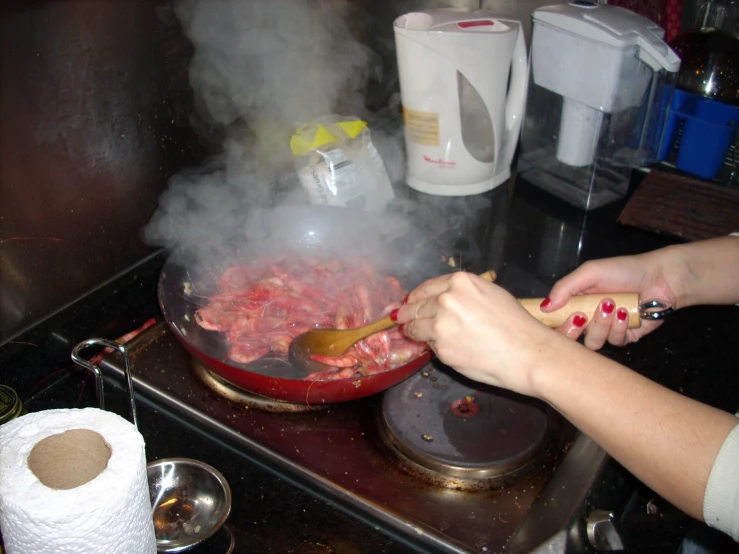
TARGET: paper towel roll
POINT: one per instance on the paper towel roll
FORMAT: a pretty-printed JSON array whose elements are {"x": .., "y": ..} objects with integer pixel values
[{"x": 46, "y": 507}]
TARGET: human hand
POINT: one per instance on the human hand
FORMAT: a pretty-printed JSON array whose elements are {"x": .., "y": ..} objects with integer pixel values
[
  {"x": 649, "y": 275},
  {"x": 477, "y": 328}
]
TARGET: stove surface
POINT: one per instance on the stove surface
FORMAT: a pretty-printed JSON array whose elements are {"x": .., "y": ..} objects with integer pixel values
[
  {"x": 342, "y": 453},
  {"x": 466, "y": 435}
]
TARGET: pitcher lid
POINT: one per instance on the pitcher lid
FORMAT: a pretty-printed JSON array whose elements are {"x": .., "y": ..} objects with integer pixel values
[{"x": 611, "y": 25}]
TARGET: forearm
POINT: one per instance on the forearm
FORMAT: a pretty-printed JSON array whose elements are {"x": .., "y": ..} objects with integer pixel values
[
  {"x": 665, "y": 439},
  {"x": 704, "y": 272}
]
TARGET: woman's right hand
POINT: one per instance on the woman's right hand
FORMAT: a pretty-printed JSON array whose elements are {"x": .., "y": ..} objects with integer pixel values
[
  {"x": 477, "y": 328},
  {"x": 650, "y": 275}
]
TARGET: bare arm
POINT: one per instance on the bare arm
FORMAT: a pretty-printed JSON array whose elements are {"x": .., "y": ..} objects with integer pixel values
[
  {"x": 668, "y": 441},
  {"x": 665, "y": 439},
  {"x": 709, "y": 272},
  {"x": 704, "y": 272}
]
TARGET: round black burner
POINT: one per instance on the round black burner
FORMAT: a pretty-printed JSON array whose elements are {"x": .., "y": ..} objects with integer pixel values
[
  {"x": 233, "y": 393},
  {"x": 459, "y": 428}
]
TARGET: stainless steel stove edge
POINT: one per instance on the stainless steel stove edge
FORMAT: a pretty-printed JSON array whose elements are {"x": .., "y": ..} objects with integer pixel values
[{"x": 551, "y": 524}]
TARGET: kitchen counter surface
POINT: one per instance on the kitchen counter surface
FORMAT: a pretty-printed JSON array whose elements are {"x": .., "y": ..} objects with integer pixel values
[{"x": 531, "y": 241}]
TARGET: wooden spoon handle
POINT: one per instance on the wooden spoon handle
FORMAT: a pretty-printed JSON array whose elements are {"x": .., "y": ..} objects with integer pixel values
[
  {"x": 585, "y": 303},
  {"x": 376, "y": 326},
  {"x": 489, "y": 276}
]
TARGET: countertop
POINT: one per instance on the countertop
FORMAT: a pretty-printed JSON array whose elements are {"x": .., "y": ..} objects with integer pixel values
[{"x": 528, "y": 237}]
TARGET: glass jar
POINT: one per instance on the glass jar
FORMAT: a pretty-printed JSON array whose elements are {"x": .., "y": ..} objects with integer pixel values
[
  {"x": 11, "y": 405},
  {"x": 710, "y": 53}
]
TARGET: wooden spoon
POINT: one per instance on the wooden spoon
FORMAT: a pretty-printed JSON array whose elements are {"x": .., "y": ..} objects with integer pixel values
[{"x": 335, "y": 342}]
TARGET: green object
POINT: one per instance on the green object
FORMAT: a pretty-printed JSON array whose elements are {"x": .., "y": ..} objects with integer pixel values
[{"x": 10, "y": 404}]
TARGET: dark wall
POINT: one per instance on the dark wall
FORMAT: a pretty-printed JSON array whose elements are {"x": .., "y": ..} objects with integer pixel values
[{"x": 94, "y": 117}]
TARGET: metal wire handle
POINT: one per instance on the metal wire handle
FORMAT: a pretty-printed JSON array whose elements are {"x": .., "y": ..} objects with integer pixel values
[
  {"x": 232, "y": 539},
  {"x": 654, "y": 310},
  {"x": 99, "y": 375}
]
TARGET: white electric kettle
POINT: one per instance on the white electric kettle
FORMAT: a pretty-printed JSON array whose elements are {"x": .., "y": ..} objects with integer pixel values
[{"x": 461, "y": 117}]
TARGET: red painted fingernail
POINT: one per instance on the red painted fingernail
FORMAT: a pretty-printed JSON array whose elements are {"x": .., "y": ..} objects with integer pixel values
[
  {"x": 607, "y": 307},
  {"x": 405, "y": 300},
  {"x": 394, "y": 314},
  {"x": 622, "y": 314},
  {"x": 545, "y": 303},
  {"x": 579, "y": 320}
]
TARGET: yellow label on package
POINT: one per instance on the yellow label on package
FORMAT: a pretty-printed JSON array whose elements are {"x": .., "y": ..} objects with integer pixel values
[{"x": 421, "y": 127}]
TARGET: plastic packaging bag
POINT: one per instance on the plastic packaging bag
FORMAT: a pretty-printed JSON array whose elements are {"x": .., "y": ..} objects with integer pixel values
[{"x": 338, "y": 164}]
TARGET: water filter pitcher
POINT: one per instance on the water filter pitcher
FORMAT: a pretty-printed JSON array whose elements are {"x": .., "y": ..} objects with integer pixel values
[{"x": 600, "y": 80}]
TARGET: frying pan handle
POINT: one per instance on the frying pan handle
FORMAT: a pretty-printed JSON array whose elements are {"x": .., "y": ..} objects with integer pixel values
[{"x": 585, "y": 303}]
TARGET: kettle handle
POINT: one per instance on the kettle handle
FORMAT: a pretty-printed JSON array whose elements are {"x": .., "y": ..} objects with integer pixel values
[{"x": 516, "y": 101}]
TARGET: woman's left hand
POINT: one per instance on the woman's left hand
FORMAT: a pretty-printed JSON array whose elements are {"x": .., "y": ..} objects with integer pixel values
[{"x": 609, "y": 323}]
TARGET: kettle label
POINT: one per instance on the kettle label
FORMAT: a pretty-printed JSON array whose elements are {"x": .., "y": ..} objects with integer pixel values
[{"x": 421, "y": 127}]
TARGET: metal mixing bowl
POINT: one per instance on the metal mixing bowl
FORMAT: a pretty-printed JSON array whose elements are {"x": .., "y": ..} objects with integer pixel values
[{"x": 190, "y": 502}]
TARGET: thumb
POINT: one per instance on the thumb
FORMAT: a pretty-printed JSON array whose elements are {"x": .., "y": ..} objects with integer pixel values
[{"x": 579, "y": 281}]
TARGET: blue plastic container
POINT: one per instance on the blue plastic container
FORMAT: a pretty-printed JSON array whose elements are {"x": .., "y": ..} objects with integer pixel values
[{"x": 708, "y": 129}]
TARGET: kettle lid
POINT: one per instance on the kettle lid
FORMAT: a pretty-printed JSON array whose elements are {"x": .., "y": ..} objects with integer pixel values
[{"x": 453, "y": 20}]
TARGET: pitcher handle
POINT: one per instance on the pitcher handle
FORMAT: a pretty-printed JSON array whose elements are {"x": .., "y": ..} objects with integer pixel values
[{"x": 516, "y": 101}]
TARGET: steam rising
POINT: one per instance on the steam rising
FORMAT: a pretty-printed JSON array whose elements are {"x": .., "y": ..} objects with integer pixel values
[
  {"x": 273, "y": 63},
  {"x": 259, "y": 69}
]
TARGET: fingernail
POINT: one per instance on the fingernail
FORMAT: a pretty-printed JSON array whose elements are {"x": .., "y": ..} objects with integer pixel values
[
  {"x": 579, "y": 320},
  {"x": 622, "y": 314},
  {"x": 394, "y": 314},
  {"x": 405, "y": 300},
  {"x": 607, "y": 307},
  {"x": 545, "y": 303},
  {"x": 400, "y": 327}
]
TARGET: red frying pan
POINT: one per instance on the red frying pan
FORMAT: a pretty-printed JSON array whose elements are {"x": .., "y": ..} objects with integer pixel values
[{"x": 185, "y": 280}]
